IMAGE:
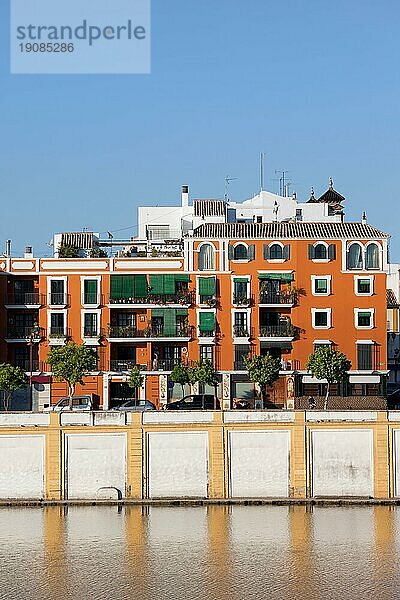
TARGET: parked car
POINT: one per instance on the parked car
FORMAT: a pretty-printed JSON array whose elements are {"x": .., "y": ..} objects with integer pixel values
[
  {"x": 195, "y": 402},
  {"x": 393, "y": 400},
  {"x": 135, "y": 404},
  {"x": 79, "y": 403}
]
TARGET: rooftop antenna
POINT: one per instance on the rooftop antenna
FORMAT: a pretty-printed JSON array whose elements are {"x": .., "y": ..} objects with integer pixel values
[
  {"x": 282, "y": 185},
  {"x": 227, "y": 182},
  {"x": 262, "y": 156}
]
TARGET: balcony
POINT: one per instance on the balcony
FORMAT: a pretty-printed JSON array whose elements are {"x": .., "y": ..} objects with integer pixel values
[
  {"x": 24, "y": 300},
  {"x": 181, "y": 299},
  {"x": 58, "y": 299},
  {"x": 23, "y": 334},
  {"x": 241, "y": 331},
  {"x": 239, "y": 300},
  {"x": 209, "y": 333},
  {"x": 283, "y": 330},
  {"x": 208, "y": 300},
  {"x": 26, "y": 366},
  {"x": 124, "y": 365},
  {"x": 277, "y": 299},
  {"x": 58, "y": 335},
  {"x": 239, "y": 365},
  {"x": 117, "y": 332}
]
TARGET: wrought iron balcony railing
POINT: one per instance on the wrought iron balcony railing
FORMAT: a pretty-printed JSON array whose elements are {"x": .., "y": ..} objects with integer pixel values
[
  {"x": 183, "y": 298},
  {"x": 128, "y": 331},
  {"x": 25, "y": 299},
  {"x": 281, "y": 330},
  {"x": 240, "y": 331},
  {"x": 24, "y": 333},
  {"x": 281, "y": 298}
]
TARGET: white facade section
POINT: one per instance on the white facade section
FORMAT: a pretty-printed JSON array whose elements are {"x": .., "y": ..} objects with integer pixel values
[
  {"x": 177, "y": 464},
  {"x": 95, "y": 465},
  {"x": 342, "y": 462},
  {"x": 396, "y": 461},
  {"x": 259, "y": 464},
  {"x": 22, "y": 466}
]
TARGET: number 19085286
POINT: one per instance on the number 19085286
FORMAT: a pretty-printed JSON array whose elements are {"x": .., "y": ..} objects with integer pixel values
[{"x": 46, "y": 47}]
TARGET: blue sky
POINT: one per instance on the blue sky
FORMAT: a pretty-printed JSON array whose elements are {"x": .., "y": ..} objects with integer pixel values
[{"x": 315, "y": 85}]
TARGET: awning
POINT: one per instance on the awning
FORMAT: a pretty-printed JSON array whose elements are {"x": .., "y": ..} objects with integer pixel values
[
  {"x": 285, "y": 277},
  {"x": 276, "y": 344},
  {"x": 240, "y": 280},
  {"x": 310, "y": 379}
]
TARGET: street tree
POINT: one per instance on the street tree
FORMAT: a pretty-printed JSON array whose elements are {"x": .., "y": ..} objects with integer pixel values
[
  {"x": 135, "y": 378},
  {"x": 329, "y": 364},
  {"x": 11, "y": 379},
  {"x": 181, "y": 374},
  {"x": 204, "y": 373},
  {"x": 70, "y": 363},
  {"x": 263, "y": 370}
]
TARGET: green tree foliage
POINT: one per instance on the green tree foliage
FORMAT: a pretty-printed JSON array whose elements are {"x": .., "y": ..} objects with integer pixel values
[
  {"x": 204, "y": 373},
  {"x": 97, "y": 252},
  {"x": 329, "y": 364},
  {"x": 181, "y": 374},
  {"x": 135, "y": 378},
  {"x": 68, "y": 251},
  {"x": 70, "y": 363},
  {"x": 11, "y": 379},
  {"x": 263, "y": 370}
]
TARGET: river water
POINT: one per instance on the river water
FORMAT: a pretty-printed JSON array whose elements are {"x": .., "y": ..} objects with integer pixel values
[{"x": 207, "y": 553}]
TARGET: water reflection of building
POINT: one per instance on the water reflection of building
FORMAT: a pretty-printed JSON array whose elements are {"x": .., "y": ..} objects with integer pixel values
[
  {"x": 219, "y": 551},
  {"x": 54, "y": 545},
  {"x": 137, "y": 557}
]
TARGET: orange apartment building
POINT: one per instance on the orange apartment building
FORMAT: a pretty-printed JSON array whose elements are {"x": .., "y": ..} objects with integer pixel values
[{"x": 217, "y": 280}]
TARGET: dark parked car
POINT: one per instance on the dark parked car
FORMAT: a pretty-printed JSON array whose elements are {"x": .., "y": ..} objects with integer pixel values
[
  {"x": 195, "y": 402},
  {"x": 136, "y": 404},
  {"x": 393, "y": 400}
]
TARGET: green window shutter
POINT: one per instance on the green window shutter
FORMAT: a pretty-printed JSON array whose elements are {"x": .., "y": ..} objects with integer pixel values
[
  {"x": 367, "y": 315},
  {"x": 286, "y": 252},
  {"x": 116, "y": 286},
  {"x": 240, "y": 280},
  {"x": 157, "y": 312},
  {"x": 207, "y": 286},
  {"x": 90, "y": 291},
  {"x": 169, "y": 284},
  {"x": 140, "y": 286},
  {"x": 286, "y": 277},
  {"x": 182, "y": 277},
  {"x": 252, "y": 252},
  {"x": 157, "y": 284},
  {"x": 182, "y": 312},
  {"x": 206, "y": 321},
  {"x": 331, "y": 251},
  {"x": 230, "y": 252},
  {"x": 128, "y": 286},
  {"x": 169, "y": 321},
  {"x": 266, "y": 251},
  {"x": 311, "y": 252}
]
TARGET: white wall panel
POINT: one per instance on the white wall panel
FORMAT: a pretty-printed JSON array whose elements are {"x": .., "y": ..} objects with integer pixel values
[
  {"x": 259, "y": 463},
  {"x": 22, "y": 466},
  {"x": 342, "y": 462},
  {"x": 177, "y": 464},
  {"x": 95, "y": 461},
  {"x": 396, "y": 461}
]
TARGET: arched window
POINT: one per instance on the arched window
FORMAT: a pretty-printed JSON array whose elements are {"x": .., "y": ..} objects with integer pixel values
[
  {"x": 372, "y": 257},
  {"x": 206, "y": 258},
  {"x": 354, "y": 257},
  {"x": 240, "y": 252},
  {"x": 320, "y": 252},
  {"x": 275, "y": 252}
]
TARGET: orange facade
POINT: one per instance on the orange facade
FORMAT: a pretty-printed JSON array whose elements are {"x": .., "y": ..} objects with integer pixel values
[{"x": 282, "y": 295}]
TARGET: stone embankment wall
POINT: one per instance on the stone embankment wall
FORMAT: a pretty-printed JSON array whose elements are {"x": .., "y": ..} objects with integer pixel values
[{"x": 214, "y": 455}]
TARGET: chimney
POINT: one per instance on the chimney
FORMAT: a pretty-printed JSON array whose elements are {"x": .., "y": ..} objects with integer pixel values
[
  {"x": 8, "y": 248},
  {"x": 364, "y": 218},
  {"x": 185, "y": 196},
  {"x": 28, "y": 252}
]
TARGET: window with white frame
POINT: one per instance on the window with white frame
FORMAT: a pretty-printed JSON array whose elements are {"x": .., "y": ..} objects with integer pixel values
[
  {"x": 240, "y": 252},
  {"x": 372, "y": 257},
  {"x": 206, "y": 353},
  {"x": 90, "y": 324},
  {"x": 321, "y": 285},
  {"x": 364, "y": 286},
  {"x": 364, "y": 318},
  {"x": 57, "y": 292},
  {"x": 321, "y": 318},
  {"x": 206, "y": 258},
  {"x": 360, "y": 257},
  {"x": 57, "y": 324},
  {"x": 321, "y": 252},
  {"x": 90, "y": 291}
]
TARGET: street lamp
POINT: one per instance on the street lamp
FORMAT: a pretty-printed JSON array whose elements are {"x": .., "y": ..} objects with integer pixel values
[{"x": 34, "y": 334}]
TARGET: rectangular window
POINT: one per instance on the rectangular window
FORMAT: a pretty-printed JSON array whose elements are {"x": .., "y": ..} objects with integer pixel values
[
  {"x": 206, "y": 353},
  {"x": 241, "y": 352},
  {"x": 240, "y": 328},
  {"x": 90, "y": 291},
  {"x": 57, "y": 292},
  {"x": 90, "y": 325},
  {"x": 320, "y": 286},
  {"x": 57, "y": 324},
  {"x": 364, "y": 357},
  {"x": 207, "y": 289},
  {"x": 364, "y": 319},
  {"x": 363, "y": 286},
  {"x": 320, "y": 318},
  {"x": 207, "y": 324}
]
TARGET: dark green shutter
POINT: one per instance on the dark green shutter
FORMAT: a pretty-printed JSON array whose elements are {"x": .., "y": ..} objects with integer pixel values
[
  {"x": 182, "y": 312},
  {"x": 331, "y": 251},
  {"x": 240, "y": 280},
  {"x": 90, "y": 291},
  {"x": 286, "y": 252},
  {"x": 311, "y": 252},
  {"x": 206, "y": 321},
  {"x": 128, "y": 286},
  {"x": 207, "y": 286},
  {"x": 182, "y": 277},
  {"x": 169, "y": 322},
  {"x": 116, "y": 286},
  {"x": 252, "y": 252},
  {"x": 286, "y": 277},
  {"x": 266, "y": 251},
  {"x": 230, "y": 252},
  {"x": 157, "y": 284},
  {"x": 140, "y": 286}
]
